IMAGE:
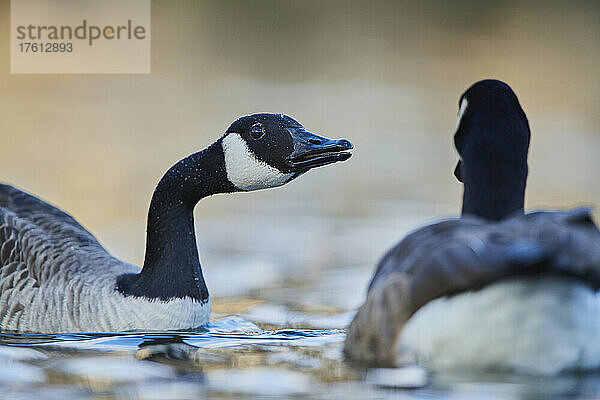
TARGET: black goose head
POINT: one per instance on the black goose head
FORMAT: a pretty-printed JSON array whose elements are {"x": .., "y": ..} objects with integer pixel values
[
  {"x": 492, "y": 139},
  {"x": 269, "y": 150}
]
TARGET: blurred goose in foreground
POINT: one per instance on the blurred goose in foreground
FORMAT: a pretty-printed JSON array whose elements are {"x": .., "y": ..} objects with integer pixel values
[
  {"x": 496, "y": 289},
  {"x": 56, "y": 277}
]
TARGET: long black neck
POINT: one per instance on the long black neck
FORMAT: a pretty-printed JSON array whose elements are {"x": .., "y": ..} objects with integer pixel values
[
  {"x": 493, "y": 169},
  {"x": 495, "y": 193},
  {"x": 171, "y": 265}
]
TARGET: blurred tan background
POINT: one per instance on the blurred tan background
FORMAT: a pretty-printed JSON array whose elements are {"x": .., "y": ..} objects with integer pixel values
[{"x": 387, "y": 75}]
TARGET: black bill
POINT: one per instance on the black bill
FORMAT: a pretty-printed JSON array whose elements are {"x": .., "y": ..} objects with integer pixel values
[{"x": 312, "y": 150}]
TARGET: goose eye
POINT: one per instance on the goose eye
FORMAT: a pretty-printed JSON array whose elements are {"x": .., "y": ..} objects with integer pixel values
[{"x": 257, "y": 131}]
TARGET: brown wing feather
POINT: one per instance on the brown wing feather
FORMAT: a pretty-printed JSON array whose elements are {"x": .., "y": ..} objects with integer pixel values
[
  {"x": 47, "y": 217},
  {"x": 39, "y": 244}
]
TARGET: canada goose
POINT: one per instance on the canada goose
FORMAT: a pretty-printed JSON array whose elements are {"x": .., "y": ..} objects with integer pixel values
[
  {"x": 496, "y": 289},
  {"x": 56, "y": 277}
]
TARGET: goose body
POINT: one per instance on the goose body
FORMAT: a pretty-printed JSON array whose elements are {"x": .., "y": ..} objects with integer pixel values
[
  {"x": 496, "y": 289},
  {"x": 56, "y": 277}
]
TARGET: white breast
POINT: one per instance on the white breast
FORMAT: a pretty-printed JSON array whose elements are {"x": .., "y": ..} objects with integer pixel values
[
  {"x": 245, "y": 171},
  {"x": 541, "y": 326}
]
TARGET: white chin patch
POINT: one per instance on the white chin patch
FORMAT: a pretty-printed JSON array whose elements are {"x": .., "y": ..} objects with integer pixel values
[
  {"x": 245, "y": 171},
  {"x": 461, "y": 111}
]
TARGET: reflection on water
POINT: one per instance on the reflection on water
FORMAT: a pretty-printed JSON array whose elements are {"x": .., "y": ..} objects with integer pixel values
[{"x": 233, "y": 358}]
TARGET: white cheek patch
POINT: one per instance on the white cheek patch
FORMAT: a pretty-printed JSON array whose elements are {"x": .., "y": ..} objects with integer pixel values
[
  {"x": 245, "y": 171},
  {"x": 461, "y": 111}
]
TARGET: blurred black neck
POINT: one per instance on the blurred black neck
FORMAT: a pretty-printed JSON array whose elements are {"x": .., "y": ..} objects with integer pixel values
[
  {"x": 494, "y": 198},
  {"x": 171, "y": 265}
]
